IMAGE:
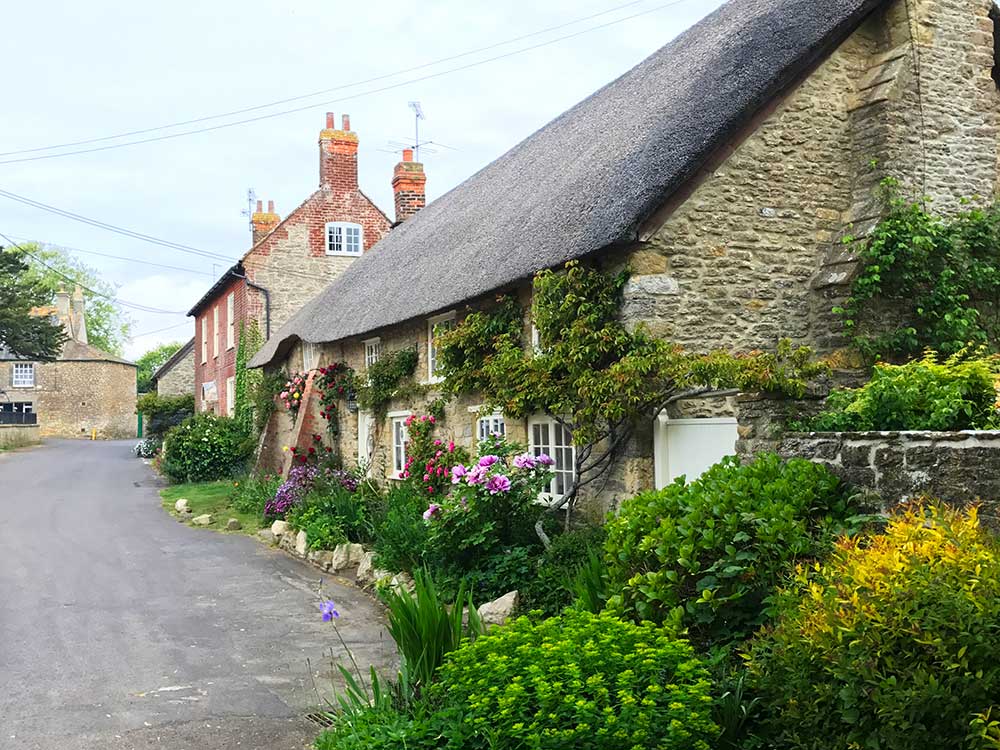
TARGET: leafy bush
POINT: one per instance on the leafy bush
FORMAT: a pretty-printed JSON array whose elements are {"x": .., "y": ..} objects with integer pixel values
[
  {"x": 323, "y": 529},
  {"x": 147, "y": 447},
  {"x": 925, "y": 394},
  {"x": 205, "y": 447},
  {"x": 331, "y": 511},
  {"x": 160, "y": 413},
  {"x": 578, "y": 681},
  {"x": 401, "y": 533},
  {"x": 428, "y": 458},
  {"x": 709, "y": 553},
  {"x": 892, "y": 643},
  {"x": 254, "y": 491}
]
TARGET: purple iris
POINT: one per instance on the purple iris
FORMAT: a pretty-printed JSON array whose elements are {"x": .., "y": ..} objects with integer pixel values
[{"x": 329, "y": 610}]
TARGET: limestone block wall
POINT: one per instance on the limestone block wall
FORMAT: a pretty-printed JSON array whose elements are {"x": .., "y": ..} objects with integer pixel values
[
  {"x": 179, "y": 379},
  {"x": 18, "y": 435}
]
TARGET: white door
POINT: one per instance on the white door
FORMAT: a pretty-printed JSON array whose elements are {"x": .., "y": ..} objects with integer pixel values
[
  {"x": 366, "y": 440},
  {"x": 688, "y": 447}
]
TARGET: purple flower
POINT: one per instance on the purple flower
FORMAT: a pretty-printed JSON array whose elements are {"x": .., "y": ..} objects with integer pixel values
[
  {"x": 525, "y": 461},
  {"x": 476, "y": 475},
  {"x": 457, "y": 472},
  {"x": 431, "y": 511},
  {"x": 545, "y": 459},
  {"x": 329, "y": 610},
  {"x": 498, "y": 483},
  {"x": 487, "y": 461}
]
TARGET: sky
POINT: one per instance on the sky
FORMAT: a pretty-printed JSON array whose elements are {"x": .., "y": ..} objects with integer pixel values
[{"x": 77, "y": 73}]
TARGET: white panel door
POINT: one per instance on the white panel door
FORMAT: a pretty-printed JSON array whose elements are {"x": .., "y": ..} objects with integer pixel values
[
  {"x": 688, "y": 447},
  {"x": 366, "y": 440}
]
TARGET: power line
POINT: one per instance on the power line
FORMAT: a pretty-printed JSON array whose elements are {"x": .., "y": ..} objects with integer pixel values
[
  {"x": 108, "y": 255},
  {"x": 320, "y": 92},
  {"x": 159, "y": 330},
  {"x": 294, "y": 110},
  {"x": 125, "y": 303}
]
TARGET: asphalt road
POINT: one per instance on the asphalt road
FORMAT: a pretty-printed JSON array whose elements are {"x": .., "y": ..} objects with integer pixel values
[{"x": 121, "y": 628}]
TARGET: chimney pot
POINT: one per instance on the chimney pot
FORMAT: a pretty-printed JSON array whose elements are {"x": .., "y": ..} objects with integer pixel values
[
  {"x": 346, "y": 121},
  {"x": 408, "y": 186},
  {"x": 270, "y": 207},
  {"x": 260, "y": 206},
  {"x": 407, "y": 154},
  {"x": 329, "y": 121}
]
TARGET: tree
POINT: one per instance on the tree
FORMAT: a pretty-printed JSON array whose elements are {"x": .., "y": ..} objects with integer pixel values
[
  {"x": 23, "y": 334},
  {"x": 152, "y": 361},
  {"x": 592, "y": 374},
  {"x": 108, "y": 326}
]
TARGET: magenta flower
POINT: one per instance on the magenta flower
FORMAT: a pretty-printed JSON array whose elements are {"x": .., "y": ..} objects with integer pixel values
[
  {"x": 329, "y": 610},
  {"x": 487, "y": 461},
  {"x": 457, "y": 472},
  {"x": 476, "y": 475},
  {"x": 545, "y": 459},
  {"x": 525, "y": 461},
  {"x": 431, "y": 511},
  {"x": 498, "y": 483}
]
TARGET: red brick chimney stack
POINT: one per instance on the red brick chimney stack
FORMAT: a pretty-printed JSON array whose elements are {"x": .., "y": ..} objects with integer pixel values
[
  {"x": 264, "y": 221},
  {"x": 338, "y": 156},
  {"x": 409, "y": 186}
]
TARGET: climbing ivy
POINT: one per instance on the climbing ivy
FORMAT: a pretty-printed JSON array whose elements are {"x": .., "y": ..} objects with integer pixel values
[
  {"x": 386, "y": 379},
  {"x": 925, "y": 281},
  {"x": 246, "y": 381}
]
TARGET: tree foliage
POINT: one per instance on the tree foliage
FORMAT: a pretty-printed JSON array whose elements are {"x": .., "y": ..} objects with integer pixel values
[
  {"x": 152, "y": 361},
  {"x": 108, "y": 326},
  {"x": 589, "y": 371},
  {"x": 21, "y": 333}
]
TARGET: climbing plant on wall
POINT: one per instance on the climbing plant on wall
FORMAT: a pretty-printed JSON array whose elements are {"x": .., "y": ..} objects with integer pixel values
[
  {"x": 388, "y": 378},
  {"x": 925, "y": 280},
  {"x": 246, "y": 381},
  {"x": 335, "y": 383}
]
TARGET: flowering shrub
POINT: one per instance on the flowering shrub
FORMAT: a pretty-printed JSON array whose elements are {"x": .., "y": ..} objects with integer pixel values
[
  {"x": 205, "y": 447},
  {"x": 334, "y": 383},
  {"x": 147, "y": 448},
  {"x": 291, "y": 392},
  {"x": 312, "y": 454},
  {"x": 428, "y": 458},
  {"x": 578, "y": 682},
  {"x": 254, "y": 491},
  {"x": 292, "y": 490},
  {"x": 891, "y": 643}
]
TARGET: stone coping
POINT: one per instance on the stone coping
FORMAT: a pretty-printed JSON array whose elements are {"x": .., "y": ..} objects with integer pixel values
[{"x": 923, "y": 435}]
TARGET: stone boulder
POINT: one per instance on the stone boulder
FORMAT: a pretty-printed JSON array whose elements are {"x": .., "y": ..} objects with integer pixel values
[
  {"x": 203, "y": 520},
  {"x": 346, "y": 556},
  {"x": 498, "y": 611},
  {"x": 233, "y": 524},
  {"x": 182, "y": 506},
  {"x": 267, "y": 536},
  {"x": 301, "y": 544},
  {"x": 279, "y": 527},
  {"x": 366, "y": 569}
]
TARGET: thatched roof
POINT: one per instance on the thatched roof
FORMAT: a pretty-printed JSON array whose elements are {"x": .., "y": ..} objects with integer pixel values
[{"x": 589, "y": 178}]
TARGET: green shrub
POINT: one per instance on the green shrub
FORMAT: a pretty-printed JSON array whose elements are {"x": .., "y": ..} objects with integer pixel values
[
  {"x": 925, "y": 394},
  {"x": 578, "y": 681},
  {"x": 401, "y": 532},
  {"x": 253, "y": 491},
  {"x": 160, "y": 413},
  {"x": 323, "y": 529},
  {"x": 892, "y": 643},
  {"x": 708, "y": 554},
  {"x": 206, "y": 447},
  {"x": 331, "y": 513}
]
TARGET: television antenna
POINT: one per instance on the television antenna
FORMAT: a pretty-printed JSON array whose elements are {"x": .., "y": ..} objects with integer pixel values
[
  {"x": 399, "y": 144},
  {"x": 248, "y": 211},
  {"x": 418, "y": 115}
]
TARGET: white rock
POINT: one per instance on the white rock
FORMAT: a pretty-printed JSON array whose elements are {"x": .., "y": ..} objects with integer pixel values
[
  {"x": 356, "y": 553},
  {"x": 279, "y": 527},
  {"x": 301, "y": 544},
  {"x": 181, "y": 506},
  {"x": 498, "y": 611},
  {"x": 202, "y": 520},
  {"x": 366, "y": 569},
  {"x": 341, "y": 557},
  {"x": 267, "y": 535},
  {"x": 233, "y": 524},
  {"x": 402, "y": 582}
]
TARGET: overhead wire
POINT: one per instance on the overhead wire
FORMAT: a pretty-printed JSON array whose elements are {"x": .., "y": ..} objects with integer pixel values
[{"x": 138, "y": 261}]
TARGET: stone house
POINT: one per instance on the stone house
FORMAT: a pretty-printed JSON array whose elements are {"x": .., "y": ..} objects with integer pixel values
[
  {"x": 84, "y": 392},
  {"x": 291, "y": 260},
  {"x": 724, "y": 170},
  {"x": 175, "y": 377}
]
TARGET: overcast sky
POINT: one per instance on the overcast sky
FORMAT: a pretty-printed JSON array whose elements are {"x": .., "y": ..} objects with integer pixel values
[{"x": 79, "y": 72}]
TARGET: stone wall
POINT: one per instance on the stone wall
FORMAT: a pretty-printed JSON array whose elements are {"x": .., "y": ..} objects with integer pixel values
[
  {"x": 18, "y": 435},
  {"x": 179, "y": 379}
]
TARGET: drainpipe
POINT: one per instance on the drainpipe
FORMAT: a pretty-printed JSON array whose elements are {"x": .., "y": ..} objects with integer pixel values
[{"x": 267, "y": 302}]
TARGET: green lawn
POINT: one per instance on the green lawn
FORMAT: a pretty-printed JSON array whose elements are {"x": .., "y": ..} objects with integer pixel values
[{"x": 210, "y": 497}]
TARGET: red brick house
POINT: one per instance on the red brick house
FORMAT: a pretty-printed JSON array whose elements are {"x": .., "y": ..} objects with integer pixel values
[{"x": 293, "y": 259}]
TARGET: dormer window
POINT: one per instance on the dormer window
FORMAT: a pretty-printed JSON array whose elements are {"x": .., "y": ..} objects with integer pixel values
[{"x": 344, "y": 238}]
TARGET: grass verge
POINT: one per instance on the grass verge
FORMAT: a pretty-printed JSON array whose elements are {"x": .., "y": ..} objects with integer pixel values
[{"x": 210, "y": 497}]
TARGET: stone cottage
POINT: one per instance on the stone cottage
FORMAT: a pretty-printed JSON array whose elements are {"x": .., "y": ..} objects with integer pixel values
[
  {"x": 725, "y": 170},
  {"x": 291, "y": 260},
  {"x": 175, "y": 377},
  {"x": 84, "y": 392}
]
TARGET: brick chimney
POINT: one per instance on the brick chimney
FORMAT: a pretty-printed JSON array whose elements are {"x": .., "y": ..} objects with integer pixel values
[
  {"x": 263, "y": 221},
  {"x": 408, "y": 186},
  {"x": 78, "y": 315},
  {"x": 338, "y": 156}
]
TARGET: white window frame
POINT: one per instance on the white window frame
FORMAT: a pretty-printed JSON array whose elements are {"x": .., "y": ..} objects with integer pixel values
[
  {"x": 231, "y": 320},
  {"x": 490, "y": 424},
  {"x": 337, "y": 232},
  {"x": 536, "y": 340},
  {"x": 432, "y": 323},
  {"x": 215, "y": 332},
  {"x": 564, "y": 470},
  {"x": 366, "y": 440},
  {"x": 310, "y": 356},
  {"x": 399, "y": 435},
  {"x": 230, "y": 396},
  {"x": 21, "y": 380},
  {"x": 373, "y": 351},
  {"x": 204, "y": 339}
]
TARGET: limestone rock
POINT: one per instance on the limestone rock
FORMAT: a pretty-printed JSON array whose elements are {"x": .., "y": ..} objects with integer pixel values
[
  {"x": 402, "y": 582},
  {"x": 366, "y": 569},
  {"x": 181, "y": 506},
  {"x": 267, "y": 535},
  {"x": 233, "y": 524},
  {"x": 301, "y": 544},
  {"x": 356, "y": 553},
  {"x": 203, "y": 520},
  {"x": 322, "y": 558},
  {"x": 499, "y": 610},
  {"x": 279, "y": 527}
]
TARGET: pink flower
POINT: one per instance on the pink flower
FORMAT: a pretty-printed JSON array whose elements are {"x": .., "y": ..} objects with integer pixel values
[
  {"x": 284, "y": 394},
  {"x": 437, "y": 455},
  {"x": 457, "y": 472},
  {"x": 437, "y": 442},
  {"x": 545, "y": 459},
  {"x": 487, "y": 461},
  {"x": 440, "y": 471},
  {"x": 451, "y": 446},
  {"x": 477, "y": 475},
  {"x": 525, "y": 461},
  {"x": 498, "y": 483},
  {"x": 431, "y": 511},
  {"x": 432, "y": 420}
]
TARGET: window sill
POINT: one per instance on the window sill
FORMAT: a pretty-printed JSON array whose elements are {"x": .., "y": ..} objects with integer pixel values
[{"x": 332, "y": 254}]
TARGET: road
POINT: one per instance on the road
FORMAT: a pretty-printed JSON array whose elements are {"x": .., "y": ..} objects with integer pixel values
[{"x": 122, "y": 629}]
